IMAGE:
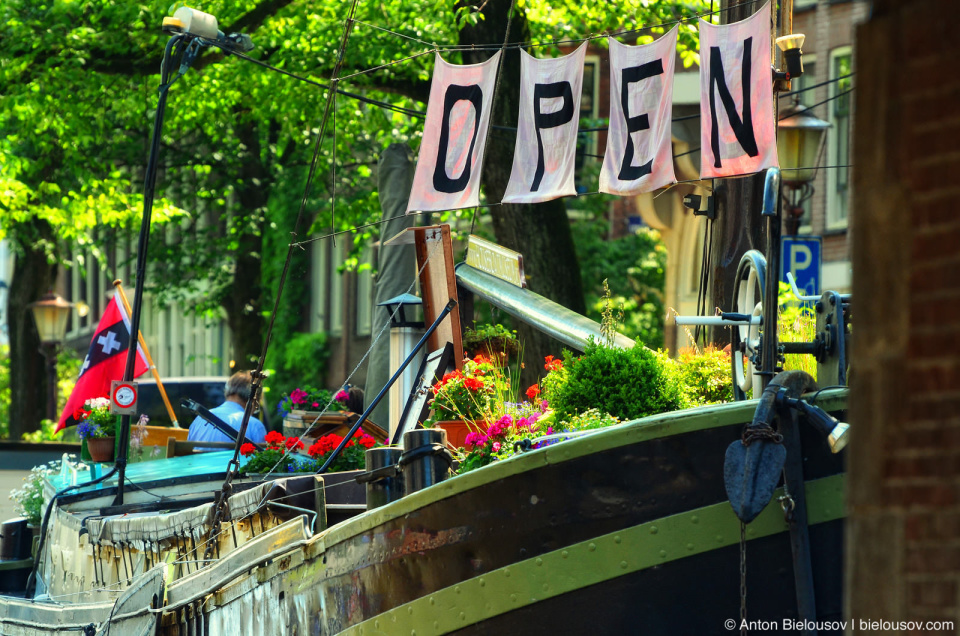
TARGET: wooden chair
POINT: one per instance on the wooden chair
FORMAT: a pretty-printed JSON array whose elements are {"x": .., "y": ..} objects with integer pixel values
[{"x": 177, "y": 448}]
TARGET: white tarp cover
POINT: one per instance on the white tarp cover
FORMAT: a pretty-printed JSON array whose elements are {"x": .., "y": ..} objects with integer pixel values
[
  {"x": 639, "y": 155},
  {"x": 454, "y": 136},
  {"x": 544, "y": 157},
  {"x": 737, "y": 131}
]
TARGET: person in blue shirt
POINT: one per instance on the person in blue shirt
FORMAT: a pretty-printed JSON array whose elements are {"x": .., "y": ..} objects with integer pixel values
[{"x": 236, "y": 392}]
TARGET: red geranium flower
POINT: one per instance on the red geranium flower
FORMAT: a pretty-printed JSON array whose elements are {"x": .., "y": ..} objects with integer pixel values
[
  {"x": 533, "y": 391},
  {"x": 480, "y": 359},
  {"x": 473, "y": 384},
  {"x": 273, "y": 438},
  {"x": 294, "y": 443},
  {"x": 248, "y": 449},
  {"x": 552, "y": 364}
]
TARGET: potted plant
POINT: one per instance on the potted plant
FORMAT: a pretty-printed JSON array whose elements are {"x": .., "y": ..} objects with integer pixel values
[
  {"x": 281, "y": 454},
  {"x": 492, "y": 341},
  {"x": 97, "y": 427},
  {"x": 465, "y": 400}
]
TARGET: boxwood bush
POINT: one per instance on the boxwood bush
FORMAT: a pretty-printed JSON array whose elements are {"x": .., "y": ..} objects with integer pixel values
[{"x": 626, "y": 383}]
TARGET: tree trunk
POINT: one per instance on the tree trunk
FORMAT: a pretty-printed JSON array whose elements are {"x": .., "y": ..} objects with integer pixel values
[
  {"x": 243, "y": 301},
  {"x": 33, "y": 275},
  {"x": 541, "y": 232}
]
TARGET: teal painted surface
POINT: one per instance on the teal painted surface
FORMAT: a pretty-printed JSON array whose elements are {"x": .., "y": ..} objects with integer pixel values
[{"x": 187, "y": 466}]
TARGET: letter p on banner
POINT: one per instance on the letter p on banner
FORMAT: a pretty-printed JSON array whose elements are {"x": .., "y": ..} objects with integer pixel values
[
  {"x": 737, "y": 131},
  {"x": 454, "y": 136}
]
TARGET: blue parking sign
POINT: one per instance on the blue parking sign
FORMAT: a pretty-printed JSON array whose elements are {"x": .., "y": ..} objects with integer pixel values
[{"x": 801, "y": 256}]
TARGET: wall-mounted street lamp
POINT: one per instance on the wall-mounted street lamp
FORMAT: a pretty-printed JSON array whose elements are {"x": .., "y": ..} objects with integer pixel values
[
  {"x": 799, "y": 140},
  {"x": 51, "y": 314}
]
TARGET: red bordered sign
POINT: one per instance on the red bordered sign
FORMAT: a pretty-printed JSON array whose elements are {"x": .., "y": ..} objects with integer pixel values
[{"x": 123, "y": 398}]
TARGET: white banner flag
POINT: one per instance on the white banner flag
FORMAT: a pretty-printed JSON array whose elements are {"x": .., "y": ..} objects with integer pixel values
[
  {"x": 545, "y": 154},
  {"x": 639, "y": 155},
  {"x": 454, "y": 136},
  {"x": 737, "y": 131}
]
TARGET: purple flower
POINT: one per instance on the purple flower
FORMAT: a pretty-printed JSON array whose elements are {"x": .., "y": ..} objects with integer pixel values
[{"x": 543, "y": 405}]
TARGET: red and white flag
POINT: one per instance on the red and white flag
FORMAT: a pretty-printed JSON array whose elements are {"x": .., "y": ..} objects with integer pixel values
[
  {"x": 454, "y": 136},
  {"x": 639, "y": 155},
  {"x": 544, "y": 157},
  {"x": 105, "y": 360},
  {"x": 737, "y": 131}
]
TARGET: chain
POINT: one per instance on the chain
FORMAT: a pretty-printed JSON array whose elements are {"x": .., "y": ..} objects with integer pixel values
[
  {"x": 787, "y": 504},
  {"x": 761, "y": 431},
  {"x": 743, "y": 579}
]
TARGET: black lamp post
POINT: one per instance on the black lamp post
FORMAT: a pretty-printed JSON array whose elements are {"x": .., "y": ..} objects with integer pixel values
[
  {"x": 51, "y": 313},
  {"x": 799, "y": 140}
]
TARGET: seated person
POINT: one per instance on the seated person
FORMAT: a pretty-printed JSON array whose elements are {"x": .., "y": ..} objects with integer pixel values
[{"x": 236, "y": 392}]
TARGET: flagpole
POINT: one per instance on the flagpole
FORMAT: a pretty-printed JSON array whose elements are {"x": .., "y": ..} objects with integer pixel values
[{"x": 146, "y": 352}]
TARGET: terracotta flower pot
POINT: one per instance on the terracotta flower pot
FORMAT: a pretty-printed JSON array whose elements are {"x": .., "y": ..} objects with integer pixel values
[
  {"x": 101, "y": 448},
  {"x": 457, "y": 431}
]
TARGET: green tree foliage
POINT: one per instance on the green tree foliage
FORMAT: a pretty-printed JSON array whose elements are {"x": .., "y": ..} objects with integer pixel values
[{"x": 79, "y": 84}]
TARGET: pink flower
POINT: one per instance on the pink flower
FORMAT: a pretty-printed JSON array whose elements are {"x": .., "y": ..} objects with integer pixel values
[
  {"x": 523, "y": 423},
  {"x": 298, "y": 396},
  {"x": 496, "y": 447},
  {"x": 475, "y": 440},
  {"x": 341, "y": 396},
  {"x": 505, "y": 421},
  {"x": 316, "y": 405},
  {"x": 549, "y": 430},
  {"x": 543, "y": 405}
]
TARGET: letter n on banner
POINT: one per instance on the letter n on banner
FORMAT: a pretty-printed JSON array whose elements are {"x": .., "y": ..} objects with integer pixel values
[
  {"x": 545, "y": 155},
  {"x": 639, "y": 155},
  {"x": 737, "y": 131},
  {"x": 454, "y": 136}
]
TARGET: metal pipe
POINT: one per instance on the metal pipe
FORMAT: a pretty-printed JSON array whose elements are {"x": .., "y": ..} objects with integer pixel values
[
  {"x": 771, "y": 210},
  {"x": 718, "y": 321},
  {"x": 553, "y": 319},
  {"x": 149, "y": 186}
]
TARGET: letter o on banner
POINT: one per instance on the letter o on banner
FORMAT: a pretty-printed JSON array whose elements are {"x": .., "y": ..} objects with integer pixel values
[{"x": 454, "y": 136}]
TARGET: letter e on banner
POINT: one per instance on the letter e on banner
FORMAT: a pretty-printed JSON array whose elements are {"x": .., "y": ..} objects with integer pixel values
[
  {"x": 544, "y": 157},
  {"x": 737, "y": 131},
  {"x": 639, "y": 154},
  {"x": 454, "y": 136}
]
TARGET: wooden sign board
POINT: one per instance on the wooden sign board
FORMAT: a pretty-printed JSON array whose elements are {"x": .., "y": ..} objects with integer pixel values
[
  {"x": 495, "y": 260},
  {"x": 438, "y": 282}
]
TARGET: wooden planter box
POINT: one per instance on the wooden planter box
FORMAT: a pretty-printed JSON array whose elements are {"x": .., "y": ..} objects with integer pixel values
[{"x": 296, "y": 424}]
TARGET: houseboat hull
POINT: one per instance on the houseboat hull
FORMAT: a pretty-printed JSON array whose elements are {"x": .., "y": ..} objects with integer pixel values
[{"x": 626, "y": 530}]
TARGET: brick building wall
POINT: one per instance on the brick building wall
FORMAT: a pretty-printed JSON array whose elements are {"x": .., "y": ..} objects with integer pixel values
[{"x": 903, "y": 533}]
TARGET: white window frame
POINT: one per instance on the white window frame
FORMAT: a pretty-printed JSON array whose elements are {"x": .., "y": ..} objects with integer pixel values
[
  {"x": 832, "y": 222},
  {"x": 320, "y": 284}
]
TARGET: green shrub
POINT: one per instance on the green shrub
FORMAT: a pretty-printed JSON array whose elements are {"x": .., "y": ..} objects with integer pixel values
[
  {"x": 701, "y": 377},
  {"x": 625, "y": 383}
]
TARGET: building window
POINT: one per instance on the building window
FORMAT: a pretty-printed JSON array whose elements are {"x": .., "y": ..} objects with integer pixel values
[
  {"x": 589, "y": 112},
  {"x": 365, "y": 293},
  {"x": 838, "y": 137}
]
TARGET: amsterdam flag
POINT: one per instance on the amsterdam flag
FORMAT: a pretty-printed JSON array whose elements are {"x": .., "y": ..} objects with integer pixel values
[{"x": 105, "y": 360}]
